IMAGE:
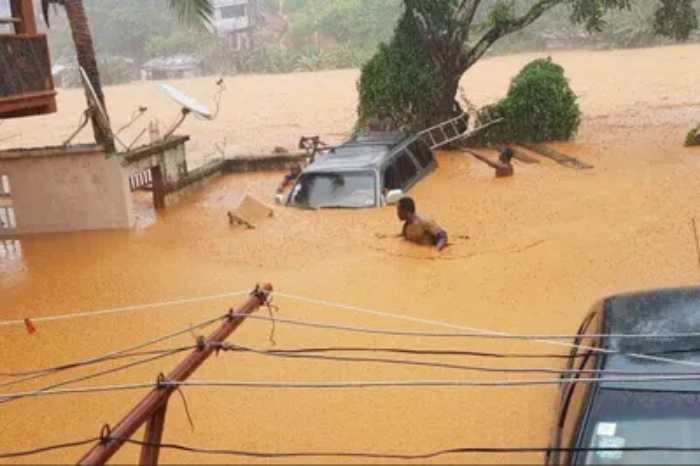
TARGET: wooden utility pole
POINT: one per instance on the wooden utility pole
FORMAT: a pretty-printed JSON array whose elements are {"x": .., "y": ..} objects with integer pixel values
[{"x": 151, "y": 410}]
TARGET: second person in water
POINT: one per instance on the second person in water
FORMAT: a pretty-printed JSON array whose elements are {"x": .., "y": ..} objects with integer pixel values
[{"x": 418, "y": 229}]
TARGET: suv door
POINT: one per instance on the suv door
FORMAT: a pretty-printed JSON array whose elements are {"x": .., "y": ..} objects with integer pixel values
[
  {"x": 422, "y": 153},
  {"x": 407, "y": 169},
  {"x": 576, "y": 396}
]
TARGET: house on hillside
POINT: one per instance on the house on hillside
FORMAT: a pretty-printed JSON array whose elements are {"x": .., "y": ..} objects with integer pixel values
[
  {"x": 173, "y": 67},
  {"x": 236, "y": 20}
]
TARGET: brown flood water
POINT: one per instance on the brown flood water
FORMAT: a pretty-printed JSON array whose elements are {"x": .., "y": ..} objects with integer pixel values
[{"x": 544, "y": 246}]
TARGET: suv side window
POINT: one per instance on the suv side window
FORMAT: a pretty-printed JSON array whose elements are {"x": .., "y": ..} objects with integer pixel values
[
  {"x": 422, "y": 153},
  {"x": 406, "y": 167},
  {"x": 391, "y": 177}
]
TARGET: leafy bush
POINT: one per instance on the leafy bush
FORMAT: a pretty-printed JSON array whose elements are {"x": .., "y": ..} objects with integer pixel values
[
  {"x": 117, "y": 70},
  {"x": 693, "y": 137},
  {"x": 540, "y": 106}
]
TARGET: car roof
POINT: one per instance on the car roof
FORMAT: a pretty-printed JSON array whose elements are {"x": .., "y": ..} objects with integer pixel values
[
  {"x": 363, "y": 152},
  {"x": 658, "y": 312}
]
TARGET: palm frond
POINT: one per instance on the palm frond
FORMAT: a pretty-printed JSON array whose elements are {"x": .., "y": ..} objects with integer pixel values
[{"x": 193, "y": 12}]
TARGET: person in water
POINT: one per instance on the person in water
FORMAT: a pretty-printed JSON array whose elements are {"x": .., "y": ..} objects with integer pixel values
[
  {"x": 417, "y": 229},
  {"x": 289, "y": 179},
  {"x": 504, "y": 166}
]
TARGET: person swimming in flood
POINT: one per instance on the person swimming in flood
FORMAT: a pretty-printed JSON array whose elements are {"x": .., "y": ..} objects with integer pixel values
[
  {"x": 290, "y": 178},
  {"x": 417, "y": 229},
  {"x": 504, "y": 166}
]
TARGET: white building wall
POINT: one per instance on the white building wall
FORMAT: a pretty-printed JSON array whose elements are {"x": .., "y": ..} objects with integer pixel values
[
  {"x": 77, "y": 190},
  {"x": 226, "y": 26}
]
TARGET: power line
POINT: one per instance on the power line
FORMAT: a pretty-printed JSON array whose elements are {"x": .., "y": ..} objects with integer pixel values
[
  {"x": 493, "y": 336},
  {"x": 135, "y": 354},
  {"x": 60, "y": 446},
  {"x": 477, "y": 332},
  {"x": 351, "y": 384},
  {"x": 398, "y": 456},
  {"x": 485, "y": 333},
  {"x": 432, "y": 352},
  {"x": 33, "y": 375},
  {"x": 348, "y": 454},
  {"x": 116, "y": 310},
  {"x": 438, "y": 365},
  {"x": 425, "y": 383},
  {"x": 98, "y": 374}
]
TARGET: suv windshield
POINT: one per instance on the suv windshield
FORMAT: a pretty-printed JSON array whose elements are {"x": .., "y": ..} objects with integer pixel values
[
  {"x": 319, "y": 190},
  {"x": 634, "y": 419}
]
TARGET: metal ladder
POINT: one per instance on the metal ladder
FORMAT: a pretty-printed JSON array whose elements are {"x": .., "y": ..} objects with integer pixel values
[{"x": 450, "y": 131}]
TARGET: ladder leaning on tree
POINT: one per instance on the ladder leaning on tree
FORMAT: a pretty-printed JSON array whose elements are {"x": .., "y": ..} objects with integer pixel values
[{"x": 450, "y": 131}]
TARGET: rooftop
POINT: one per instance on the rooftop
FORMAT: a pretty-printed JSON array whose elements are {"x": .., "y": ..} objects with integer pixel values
[
  {"x": 660, "y": 312},
  {"x": 362, "y": 152}
]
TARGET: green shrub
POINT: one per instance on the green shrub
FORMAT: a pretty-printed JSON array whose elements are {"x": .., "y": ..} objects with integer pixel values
[
  {"x": 117, "y": 70},
  {"x": 693, "y": 137},
  {"x": 540, "y": 106}
]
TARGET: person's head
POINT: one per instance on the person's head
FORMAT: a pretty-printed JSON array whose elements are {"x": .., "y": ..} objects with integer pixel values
[
  {"x": 296, "y": 169},
  {"x": 406, "y": 209},
  {"x": 506, "y": 155}
]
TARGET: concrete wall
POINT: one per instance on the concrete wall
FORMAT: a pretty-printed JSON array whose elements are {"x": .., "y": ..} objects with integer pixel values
[
  {"x": 170, "y": 156},
  {"x": 57, "y": 189}
]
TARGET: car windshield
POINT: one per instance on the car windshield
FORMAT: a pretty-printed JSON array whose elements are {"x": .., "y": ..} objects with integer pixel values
[
  {"x": 636, "y": 419},
  {"x": 322, "y": 190}
]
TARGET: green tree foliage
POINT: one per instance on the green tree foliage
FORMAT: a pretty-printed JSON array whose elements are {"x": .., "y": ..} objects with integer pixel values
[
  {"x": 540, "y": 106},
  {"x": 693, "y": 137},
  {"x": 455, "y": 34},
  {"x": 398, "y": 82}
]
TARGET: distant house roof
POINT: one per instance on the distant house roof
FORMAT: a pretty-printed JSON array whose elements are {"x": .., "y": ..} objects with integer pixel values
[{"x": 174, "y": 63}]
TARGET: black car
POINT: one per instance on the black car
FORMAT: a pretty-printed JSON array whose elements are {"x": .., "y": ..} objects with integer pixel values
[{"x": 613, "y": 412}]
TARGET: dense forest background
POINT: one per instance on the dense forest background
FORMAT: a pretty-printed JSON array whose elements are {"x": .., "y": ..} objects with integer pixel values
[{"x": 307, "y": 35}]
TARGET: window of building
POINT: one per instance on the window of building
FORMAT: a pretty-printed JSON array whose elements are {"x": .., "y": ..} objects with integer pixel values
[
  {"x": 5, "y": 190},
  {"x": 233, "y": 11},
  {"x": 7, "y": 218},
  {"x": 10, "y": 249},
  {"x": 7, "y": 212}
]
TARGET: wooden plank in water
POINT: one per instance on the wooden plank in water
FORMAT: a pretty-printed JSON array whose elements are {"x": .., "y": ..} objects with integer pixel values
[
  {"x": 562, "y": 159},
  {"x": 521, "y": 155}
]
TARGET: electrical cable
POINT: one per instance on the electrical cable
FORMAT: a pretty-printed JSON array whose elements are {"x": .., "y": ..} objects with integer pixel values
[
  {"x": 32, "y": 375},
  {"x": 350, "y": 384},
  {"x": 343, "y": 454},
  {"x": 64, "y": 383},
  {"x": 60, "y": 446},
  {"x": 496, "y": 336},
  {"x": 533, "y": 338},
  {"x": 439, "y": 365},
  {"x": 431, "y": 352},
  {"x": 116, "y": 310},
  {"x": 397, "y": 456}
]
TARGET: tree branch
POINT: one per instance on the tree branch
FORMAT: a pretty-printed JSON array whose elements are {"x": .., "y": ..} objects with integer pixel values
[
  {"x": 429, "y": 39},
  {"x": 464, "y": 16},
  {"x": 500, "y": 30}
]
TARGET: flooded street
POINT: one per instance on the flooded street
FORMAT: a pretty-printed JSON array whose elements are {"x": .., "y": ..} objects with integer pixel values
[{"x": 542, "y": 247}]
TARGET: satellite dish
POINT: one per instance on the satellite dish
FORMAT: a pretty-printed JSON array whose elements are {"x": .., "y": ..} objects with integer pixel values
[{"x": 185, "y": 101}]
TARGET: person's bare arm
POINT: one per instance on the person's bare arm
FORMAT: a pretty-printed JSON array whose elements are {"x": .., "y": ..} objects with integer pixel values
[
  {"x": 487, "y": 161},
  {"x": 438, "y": 233}
]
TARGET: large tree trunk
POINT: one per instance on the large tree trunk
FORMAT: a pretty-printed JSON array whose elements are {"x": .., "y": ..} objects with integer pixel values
[{"x": 86, "y": 59}]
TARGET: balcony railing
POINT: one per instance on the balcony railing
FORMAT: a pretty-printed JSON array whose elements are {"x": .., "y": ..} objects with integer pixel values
[{"x": 26, "y": 85}]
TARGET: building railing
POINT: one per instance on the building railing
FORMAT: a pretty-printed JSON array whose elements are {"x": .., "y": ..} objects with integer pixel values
[{"x": 26, "y": 85}]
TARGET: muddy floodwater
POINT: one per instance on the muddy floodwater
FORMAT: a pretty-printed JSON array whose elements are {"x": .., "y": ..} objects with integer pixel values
[{"x": 530, "y": 254}]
